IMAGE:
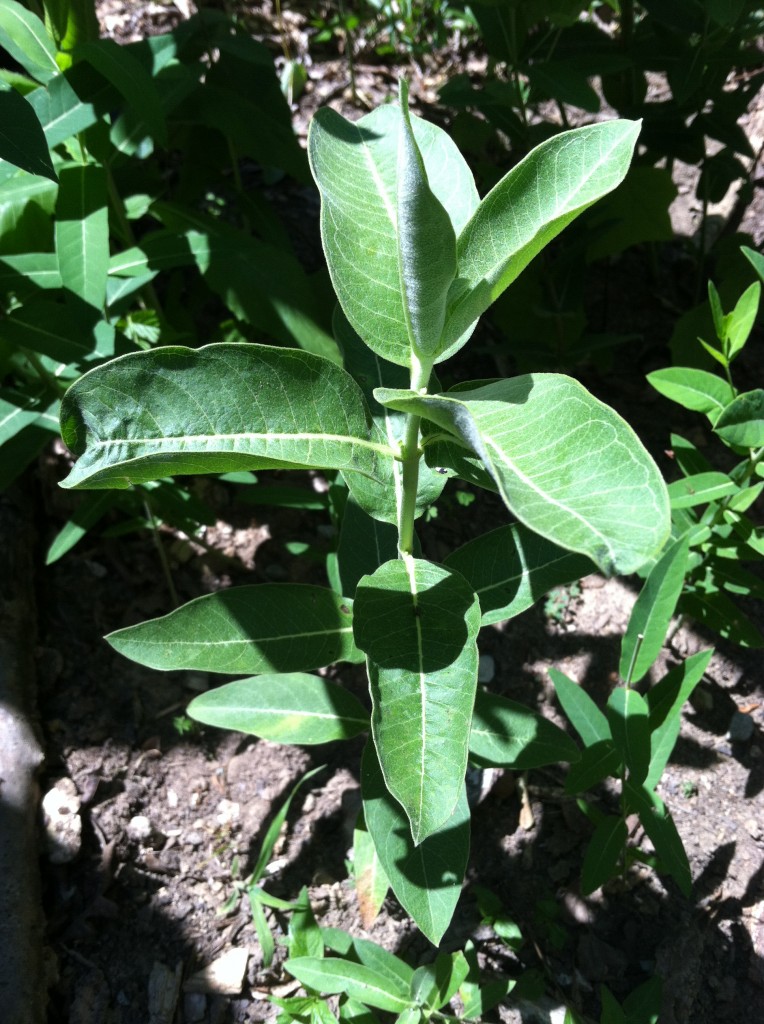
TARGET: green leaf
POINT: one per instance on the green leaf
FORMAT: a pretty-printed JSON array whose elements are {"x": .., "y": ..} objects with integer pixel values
[
  {"x": 660, "y": 827},
  {"x": 718, "y": 613},
  {"x": 62, "y": 332},
  {"x": 418, "y": 623},
  {"x": 374, "y": 496},
  {"x": 427, "y": 878},
  {"x": 332, "y": 975},
  {"x": 585, "y": 717},
  {"x": 598, "y": 761},
  {"x": 25, "y": 273},
  {"x": 274, "y": 829},
  {"x": 529, "y": 207},
  {"x": 700, "y": 489},
  {"x": 356, "y": 168},
  {"x": 82, "y": 231},
  {"x": 581, "y": 477},
  {"x": 22, "y": 141},
  {"x": 60, "y": 108},
  {"x": 627, "y": 715},
  {"x": 694, "y": 389},
  {"x": 511, "y": 568},
  {"x": 742, "y": 421},
  {"x": 611, "y": 1008},
  {"x": 603, "y": 853},
  {"x": 267, "y": 627},
  {"x": 434, "y": 985},
  {"x": 216, "y": 409},
  {"x": 510, "y": 735},
  {"x": 743, "y": 318},
  {"x": 25, "y": 38},
  {"x": 756, "y": 259},
  {"x": 426, "y": 243},
  {"x": 264, "y": 934},
  {"x": 479, "y": 996},
  {"x": 304, "y": 936},
  {"x": 651, "y": 616},
  {"x": 363, "y": 546},
  {"x": 370, "y": 955},
  {"x": 87, "y": 514},
  {"x": 665, "y": 701},
  {"x": 371, "y": 882},
  {"x": 643, "y": 1005},
  {"x": 289, "y": 708},
  {"x": 119, "y": 66}
]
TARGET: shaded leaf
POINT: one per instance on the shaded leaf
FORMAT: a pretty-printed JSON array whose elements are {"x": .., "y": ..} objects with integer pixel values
[
  {"x": 509, "y": 735},
  {"x": 603, "y": 853}
]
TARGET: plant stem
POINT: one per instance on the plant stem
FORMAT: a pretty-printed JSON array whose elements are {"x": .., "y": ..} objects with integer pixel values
[
  {"x": 161, "y": 551},
  {"x": 410, "y": 456}
]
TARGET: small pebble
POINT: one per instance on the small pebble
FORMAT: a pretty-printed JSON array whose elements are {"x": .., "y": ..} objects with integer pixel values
[
  {"x": 139, "y": 828},
  {"x": 752, "y": 828},
  {"x": 62, "y": 822}
]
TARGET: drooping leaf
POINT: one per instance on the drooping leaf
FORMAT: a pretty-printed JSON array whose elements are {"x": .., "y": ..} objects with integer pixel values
[
  {"x": 216, "y": 409},
  {"x": 698, "y": 390},
  {"x": 418, "y": 622},
  {"x": 22, "y": 140},
  {"x": 289, "y": 708},
  {"x": 585, "y": 717},
  {"x": 628, "y": 717},
  {"x": 598, "y": 761},
  {"x": 603, "y": 853},
  {"x": 356, "y": 168},
  {"x": 334, "y": 975},
  {"x": 510, "y": 735},
  {"x": 651, "y": 616},
  {"x": 511, "y": 568},
  {"x": 660, "y": 827},
  {"x": 700, "y": 489},
  {"x": 82, "y": 231},
  {"x": 665, "y": 701},
  {"x": 529, "y": 207},
  {"x": 25, "y": 38},
  {"x": 268, "y": 627},
  {"x": 371, "y": 882},
  {"x": 581, "y": 478},
  {"x": 742, "y": 421},
  {"x": 426, "y": 879}
]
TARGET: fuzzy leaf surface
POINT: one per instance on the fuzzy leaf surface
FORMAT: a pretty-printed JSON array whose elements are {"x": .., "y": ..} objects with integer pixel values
[
  {"x": 529, "y": 207},
  {"x": 508, "y": 734},
  {"x": 512, "y": 567},
  {"x": 418, "y": 623},
  {"x": 742, "y": 422},
  {"x": 427, "y": 878},
  {"x": 565, "y": 463},
  {"x": 356, "y": 167},
  {"x": 216, "y": 409},
  {"x": 268, "y": 627},
  {"x": 291, "y": 708}
]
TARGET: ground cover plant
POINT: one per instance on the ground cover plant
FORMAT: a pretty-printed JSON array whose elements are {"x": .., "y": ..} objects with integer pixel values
[
  {"x": 415, "y": 258},
  {"x": 117, "y": 164}
]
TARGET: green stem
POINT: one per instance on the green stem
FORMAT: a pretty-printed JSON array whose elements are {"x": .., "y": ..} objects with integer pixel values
[
  {"x": 410, "y": 457},
  {"x": 160, "y": 550}
]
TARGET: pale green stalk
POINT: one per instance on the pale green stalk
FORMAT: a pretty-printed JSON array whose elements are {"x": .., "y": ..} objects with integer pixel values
[{"x": 410, "y": 456}]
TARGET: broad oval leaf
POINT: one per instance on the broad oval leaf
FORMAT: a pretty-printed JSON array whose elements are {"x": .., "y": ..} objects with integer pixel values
[
  {"x": 742, "y": 422},
  {"x": 512, "y": 567},
  {"x": 529, "y": 207},
  {"x": 418, "y": 623},
  {"x": 565, "y": 463},
  {"x": 628, "y": 716},
  {"x": 651, "y": 616},
  {"x": 698, "y": 390},
  {"x": 289, "y": 708},
  {"x": 426, "y": 879},
  {"x": 356, "y": 168},
  {"x": 268, "y": 627},
  {"x": 332, "y": 975},
  {"x": 507, "y": 734},
  {"x": 216, "y": 409}
]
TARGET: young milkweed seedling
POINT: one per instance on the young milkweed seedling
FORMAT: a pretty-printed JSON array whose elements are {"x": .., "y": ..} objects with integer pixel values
[{"x": 415, "y": 257}]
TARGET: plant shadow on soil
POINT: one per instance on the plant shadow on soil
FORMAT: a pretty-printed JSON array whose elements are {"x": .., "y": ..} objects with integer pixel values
[{"x": 143, "y": 893}]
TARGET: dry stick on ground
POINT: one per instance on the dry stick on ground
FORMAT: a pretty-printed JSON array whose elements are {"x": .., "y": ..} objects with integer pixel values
[{"x": 22, "y": 990}]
